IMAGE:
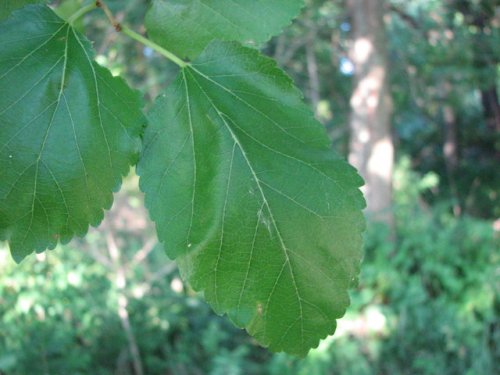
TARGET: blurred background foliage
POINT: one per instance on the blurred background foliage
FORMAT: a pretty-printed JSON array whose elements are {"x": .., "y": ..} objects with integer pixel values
[{"x": 427, "y": 301}]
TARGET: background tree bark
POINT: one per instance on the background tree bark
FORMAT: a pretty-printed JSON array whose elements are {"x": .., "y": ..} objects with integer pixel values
[
  {"x": 371, "y": 144},
  {"x": 312, "y": 71},
  {"x": 451, "y": 145}
]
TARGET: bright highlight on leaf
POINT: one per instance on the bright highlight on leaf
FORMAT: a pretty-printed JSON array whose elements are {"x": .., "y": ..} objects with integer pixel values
[
  {"x": 250, "y": 200},
  {"x": 185, "y": 27},
  {"x": 69, "y": 131}
]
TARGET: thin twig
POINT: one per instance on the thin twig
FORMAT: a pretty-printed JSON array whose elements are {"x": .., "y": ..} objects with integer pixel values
[
  {"x": 120, "y": 284},
  {"x": 101, "y": 4},
  {"x": 166, "y": 270},
  {"x": 100, "y": 258},
  {"x": 143, "y": 253}
]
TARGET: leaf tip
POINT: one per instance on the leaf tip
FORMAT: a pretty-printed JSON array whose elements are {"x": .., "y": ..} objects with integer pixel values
[{"x": 17, "y": 255}]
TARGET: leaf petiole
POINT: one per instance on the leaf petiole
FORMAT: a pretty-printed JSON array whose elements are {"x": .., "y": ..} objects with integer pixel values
[
  {"x": 81, "y": 12},
  {"x": 162, "y": 51},
  {"x": 138, "y": 37}
]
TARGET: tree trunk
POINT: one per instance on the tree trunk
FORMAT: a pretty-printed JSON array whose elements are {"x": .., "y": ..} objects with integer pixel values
[
  {"x": 312, "y": 71},
  {"x": 450, "y": 146},
  {"x": 371, "y": 144},
  {"x": 484, "y": 61},
  {"x": 491, "y": 108}
]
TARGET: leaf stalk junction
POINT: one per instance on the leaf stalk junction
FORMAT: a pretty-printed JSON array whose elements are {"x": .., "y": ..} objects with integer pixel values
[{"x": 127, "y": 31}]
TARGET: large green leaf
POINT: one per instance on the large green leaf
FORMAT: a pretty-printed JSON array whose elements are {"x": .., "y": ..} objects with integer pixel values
[
  {"x": 185, "y": 27},
  {"x": 68, "y": 132},
  {"x": 248, "y": 196}
]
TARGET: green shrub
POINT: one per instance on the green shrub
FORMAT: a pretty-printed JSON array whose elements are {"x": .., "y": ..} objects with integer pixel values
[{"x": 429, "y": 303}]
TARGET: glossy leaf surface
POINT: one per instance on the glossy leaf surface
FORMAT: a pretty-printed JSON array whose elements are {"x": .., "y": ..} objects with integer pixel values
[
  {"x": 69, "y": 131},
  {"x": 249, "y": 198},
  {"x": 185, "y": 27}
]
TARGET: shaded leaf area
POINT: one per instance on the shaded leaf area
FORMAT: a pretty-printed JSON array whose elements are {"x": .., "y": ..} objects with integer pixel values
[
  {"x": 186, "y": 27},
  {"x": 8, "y": 6},
  {"x": 68, "y": 132},
  {"x": 250, "y": 199}
]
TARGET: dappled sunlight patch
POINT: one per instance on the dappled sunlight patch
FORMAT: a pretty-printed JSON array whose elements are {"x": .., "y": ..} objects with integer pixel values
[{"x": 368, "y": 322}]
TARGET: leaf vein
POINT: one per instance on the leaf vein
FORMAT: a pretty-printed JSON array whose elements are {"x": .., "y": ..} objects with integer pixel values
[
  {"x": 221, "y": 243},
  {"x": 258, "y": 182}
]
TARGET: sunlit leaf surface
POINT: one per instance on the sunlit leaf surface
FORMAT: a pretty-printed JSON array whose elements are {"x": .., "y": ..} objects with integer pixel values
[{"x": 68, "y": 132}]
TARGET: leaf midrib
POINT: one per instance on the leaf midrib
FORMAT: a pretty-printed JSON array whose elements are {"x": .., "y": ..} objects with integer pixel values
[
  {"x": 56, "y": 104},
  {"x": 44, "y": 142},
  {"x": 264, "y": 198},
  {"x": 250, "y": 106}
]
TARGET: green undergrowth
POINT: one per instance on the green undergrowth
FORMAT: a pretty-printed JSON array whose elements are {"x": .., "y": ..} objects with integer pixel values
[{"x": 425, "y": 304}]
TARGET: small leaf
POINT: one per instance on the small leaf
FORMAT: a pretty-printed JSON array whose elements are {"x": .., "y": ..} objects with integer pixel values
[
  {"x": 185, "y": 27},
  {"x": 248, "y": 196},
  {"x": 68, "y": 132}
]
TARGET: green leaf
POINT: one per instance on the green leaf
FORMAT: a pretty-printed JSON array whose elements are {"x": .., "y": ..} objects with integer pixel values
[
  {"x": 185, "y": 27},
  {"x": 248, "y": 196},
  {"x": 68, "y": 132},
  {"x": 8, "y": 6}
]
